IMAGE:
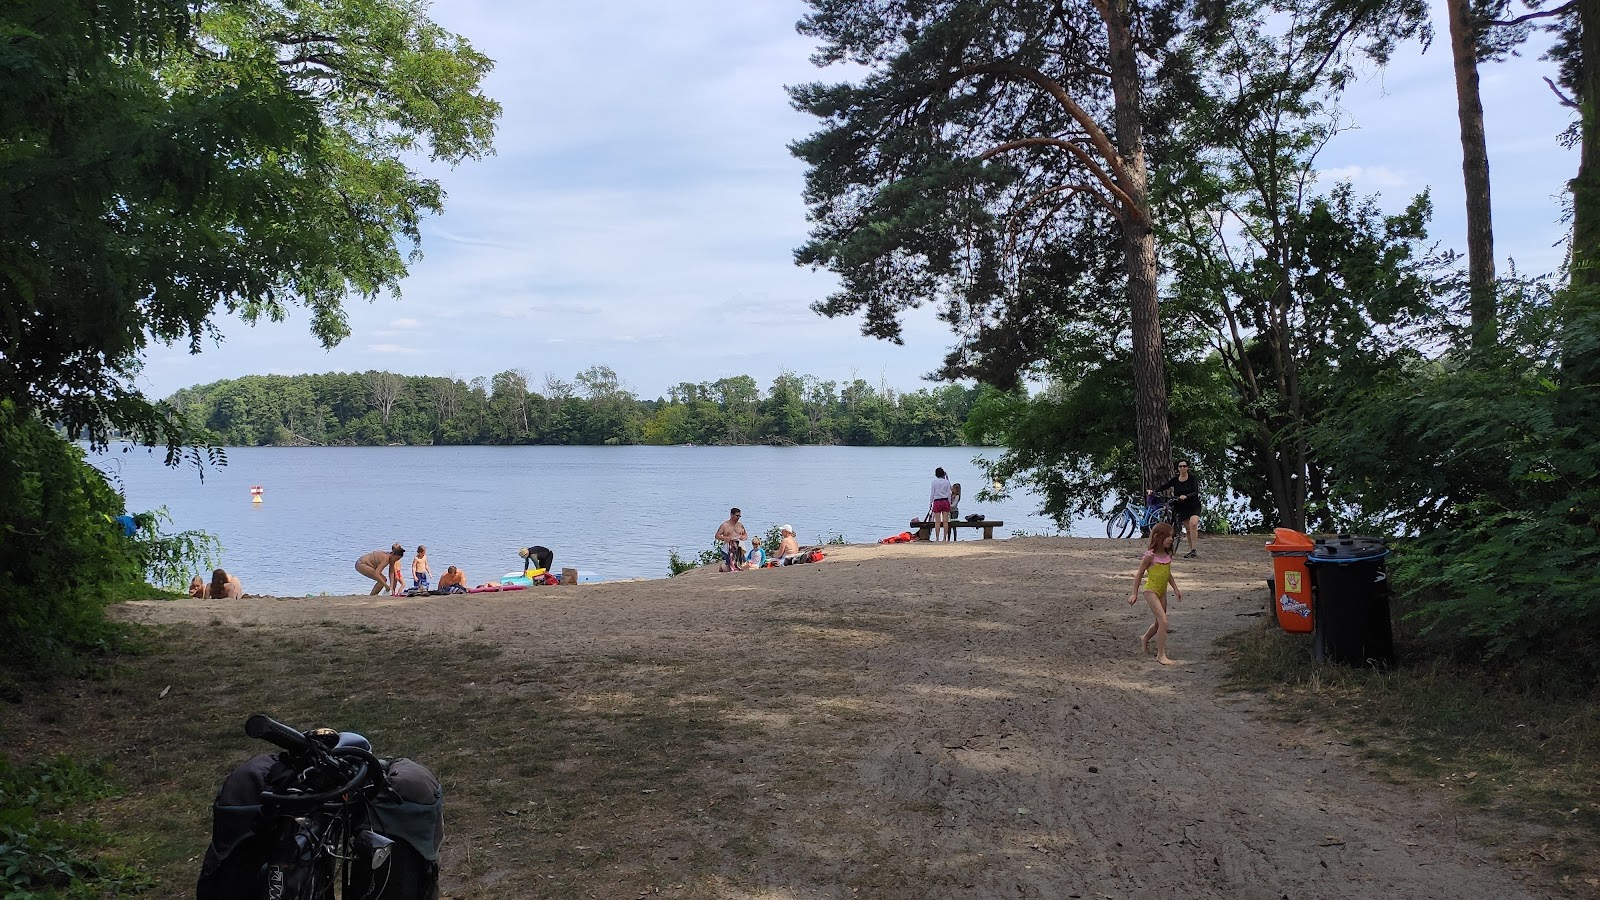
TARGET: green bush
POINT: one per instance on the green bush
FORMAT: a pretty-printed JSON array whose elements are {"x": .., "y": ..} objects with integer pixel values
[
  {"x": 63, "y": 557},
  {"x": 1485, "y": 463}
]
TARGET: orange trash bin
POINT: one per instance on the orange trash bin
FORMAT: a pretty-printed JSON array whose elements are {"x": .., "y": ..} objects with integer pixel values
[{"x": 1291, "y": 584}]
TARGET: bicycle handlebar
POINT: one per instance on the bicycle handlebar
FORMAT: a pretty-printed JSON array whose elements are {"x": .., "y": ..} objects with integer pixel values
[
  {"x": 321, "y": 796},
  {"x": 272, "y": 731}
]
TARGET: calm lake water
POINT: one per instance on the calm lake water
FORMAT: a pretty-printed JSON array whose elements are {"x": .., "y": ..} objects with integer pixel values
[{"x": 611, "y": 512}]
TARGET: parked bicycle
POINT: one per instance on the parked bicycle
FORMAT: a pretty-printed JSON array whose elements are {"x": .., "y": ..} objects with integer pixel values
[
  {"x": 1136, "y": 520},
  {"x": 323, "y": 819}
]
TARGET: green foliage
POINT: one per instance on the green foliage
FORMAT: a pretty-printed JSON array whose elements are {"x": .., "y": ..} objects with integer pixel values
[
  {"x": 42, "y": 853},
  {"x": 168, "y": 161},
  {"x": 171, "y": 559},
  {"x": 62, "y": 555},
  {"x": 677, "y": 565},
  {"x": 384, "y": 408},
  {"x": 1486, "y": 464}
]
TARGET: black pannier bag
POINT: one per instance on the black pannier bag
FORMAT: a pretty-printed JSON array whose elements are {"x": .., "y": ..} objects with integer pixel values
[{"x": 412, "y": 816}]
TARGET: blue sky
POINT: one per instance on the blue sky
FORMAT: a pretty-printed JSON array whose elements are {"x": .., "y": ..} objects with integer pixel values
[{"x": 642, "y": 209}]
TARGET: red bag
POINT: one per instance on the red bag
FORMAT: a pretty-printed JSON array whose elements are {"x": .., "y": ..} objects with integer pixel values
[{"x": 815, "y": 556}]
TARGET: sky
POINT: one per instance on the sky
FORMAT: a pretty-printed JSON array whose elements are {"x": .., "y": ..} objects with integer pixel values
[{"x": 642, "y": 208}]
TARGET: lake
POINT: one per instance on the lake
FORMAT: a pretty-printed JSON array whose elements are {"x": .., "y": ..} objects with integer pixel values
[{"x": 611, "y": 512}]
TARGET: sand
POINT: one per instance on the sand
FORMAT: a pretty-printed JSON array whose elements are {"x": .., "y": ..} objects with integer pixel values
[{"x": 995, "y": 730}]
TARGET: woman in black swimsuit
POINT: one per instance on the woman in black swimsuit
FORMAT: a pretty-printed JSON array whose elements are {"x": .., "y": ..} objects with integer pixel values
[{"x": 1185, "y": 503}]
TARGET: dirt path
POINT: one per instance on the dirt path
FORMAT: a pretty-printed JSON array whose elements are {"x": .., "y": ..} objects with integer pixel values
[{"x": 975, "y": 720}]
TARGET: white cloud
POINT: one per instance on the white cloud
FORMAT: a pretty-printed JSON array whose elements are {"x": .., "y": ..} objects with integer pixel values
[
  {"x": 642, "y": 214},
  {"x": 1365, "y": 177}
]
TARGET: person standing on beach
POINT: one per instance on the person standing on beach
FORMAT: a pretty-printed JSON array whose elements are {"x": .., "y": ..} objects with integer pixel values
[
  {"x": 378, "y": 564},
  {"x": 731, "y": 535},
  {"x": 419, "y": 568},
  {"x": 939, "y": 502}
]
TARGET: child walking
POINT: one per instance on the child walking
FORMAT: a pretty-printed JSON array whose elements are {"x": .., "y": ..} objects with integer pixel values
[
  {"x": 419, "y": 568},
  {"x": 1155, "y": 573}
]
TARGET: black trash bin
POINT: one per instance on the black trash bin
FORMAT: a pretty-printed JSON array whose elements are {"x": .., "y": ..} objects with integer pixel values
[{"x": 1351, "y": 586}]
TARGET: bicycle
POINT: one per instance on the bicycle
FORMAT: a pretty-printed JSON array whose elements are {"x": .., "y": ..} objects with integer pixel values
[
  {"x": 1137, "y": 519},
  {"x": 325, "y": 818}
]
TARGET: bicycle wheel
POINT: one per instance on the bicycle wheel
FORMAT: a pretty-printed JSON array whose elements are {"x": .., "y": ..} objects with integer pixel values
[{"x": 1121, "y": 525}]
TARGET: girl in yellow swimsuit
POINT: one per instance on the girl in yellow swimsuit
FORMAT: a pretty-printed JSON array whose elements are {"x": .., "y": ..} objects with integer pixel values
[{"x": 1155, "y": 573}]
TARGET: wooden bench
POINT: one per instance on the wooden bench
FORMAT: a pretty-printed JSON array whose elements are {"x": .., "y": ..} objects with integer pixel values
[{"x": 925, "y": 529}]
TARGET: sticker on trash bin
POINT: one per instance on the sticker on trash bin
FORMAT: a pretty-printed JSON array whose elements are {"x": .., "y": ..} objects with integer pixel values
[
  {"x": 1291, "y": 582},
  {"x": 1290, "y": 605}
]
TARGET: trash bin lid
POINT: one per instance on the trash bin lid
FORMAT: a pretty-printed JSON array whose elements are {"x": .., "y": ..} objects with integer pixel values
[
  {"x": 1347, "y": 548},
  {"x": 1287, "y": 540}
]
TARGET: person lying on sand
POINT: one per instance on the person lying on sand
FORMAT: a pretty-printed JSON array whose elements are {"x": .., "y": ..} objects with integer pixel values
[{"x": 224, "y": 586}]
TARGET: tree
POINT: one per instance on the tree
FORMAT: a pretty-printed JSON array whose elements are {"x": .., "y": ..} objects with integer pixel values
[
  {"x": 983, "y": 138},
  {"x": 169, "y": 161},
  {"x": 1301, "y": 297},
  {"x": 383, "y": 389}
]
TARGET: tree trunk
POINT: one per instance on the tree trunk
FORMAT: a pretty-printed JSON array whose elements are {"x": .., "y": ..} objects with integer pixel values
[
  {"x": 1139, "y": 245},
  {"x": 1580, "y": 304},
  {"x": 1475, "y": 178},
  {"x": 1586, "y": 187}
]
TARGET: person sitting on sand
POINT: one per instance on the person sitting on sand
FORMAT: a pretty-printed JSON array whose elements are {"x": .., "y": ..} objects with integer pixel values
[
  {"x": 757, "y": 557},
  {"x": 198, "y": 589},
  {"x": 378, "y": 564},
  {"x": 788, "y": 546},
  {"x": 224, "y": 586},
  {"x": 419, "y": 568},
  {"x": 453, "y": 578},
  {"x": 731, "y": 535}
]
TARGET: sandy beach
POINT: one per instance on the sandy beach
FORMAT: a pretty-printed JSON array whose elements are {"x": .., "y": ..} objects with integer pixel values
[{"x": 974, "y": 719}]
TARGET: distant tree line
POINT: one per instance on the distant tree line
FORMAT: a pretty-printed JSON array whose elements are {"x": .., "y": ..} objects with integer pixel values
[{"x": 378, "y": 408}]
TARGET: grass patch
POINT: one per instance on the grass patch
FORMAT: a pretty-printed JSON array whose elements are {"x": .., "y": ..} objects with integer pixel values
[
  {"x": 46, "y": 848},
  {"x": 552, "y": 767},
  {"x": 1522, "y": 749}
]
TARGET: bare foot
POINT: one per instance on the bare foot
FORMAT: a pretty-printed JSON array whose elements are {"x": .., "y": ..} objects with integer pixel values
[
  {"x": 1166, "y": 662},
  {"x": 1144, "y": 644}
]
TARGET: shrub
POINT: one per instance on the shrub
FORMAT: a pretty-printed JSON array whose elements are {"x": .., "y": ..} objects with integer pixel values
[{"x": 62, "y": 555}]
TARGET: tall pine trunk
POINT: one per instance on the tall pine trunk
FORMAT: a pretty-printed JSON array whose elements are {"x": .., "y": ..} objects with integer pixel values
[
  {"x": 1139, "y": 245},
  {"x": 1475, "y": 177},
  {"x": 1580, "y": 304}
]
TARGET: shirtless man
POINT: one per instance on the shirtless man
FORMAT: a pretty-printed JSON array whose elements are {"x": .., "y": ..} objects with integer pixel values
[
  {"x": 730, "y": 534},
  {"x": 788, "y": 546},
  {"x": 453, "y": 576}
]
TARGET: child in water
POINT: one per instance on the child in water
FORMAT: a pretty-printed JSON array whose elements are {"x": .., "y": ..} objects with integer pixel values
[
  {"x": 1155, "y": 570},
  {"x": 419, "y": 568}
]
